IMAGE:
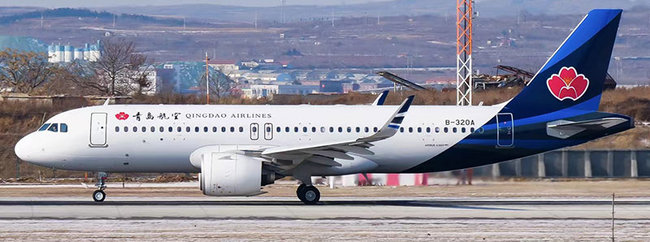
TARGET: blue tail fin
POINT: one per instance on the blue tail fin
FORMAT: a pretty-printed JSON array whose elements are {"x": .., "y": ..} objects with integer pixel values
[{"x": 573, "y": 77}]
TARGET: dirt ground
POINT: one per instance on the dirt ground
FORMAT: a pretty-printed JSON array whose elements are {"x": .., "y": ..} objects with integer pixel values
[
  {"x": 511, "y": 189},
  {"x": 323, "y": 230}
]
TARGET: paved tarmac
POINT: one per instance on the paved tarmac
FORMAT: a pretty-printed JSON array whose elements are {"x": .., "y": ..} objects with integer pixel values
[{"x": 329, "y": 208}]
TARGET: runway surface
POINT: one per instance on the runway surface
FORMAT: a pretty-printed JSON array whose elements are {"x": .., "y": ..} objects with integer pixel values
[
  {"x": 341, "y": 218},
  {"x": 331, "y": 208}
]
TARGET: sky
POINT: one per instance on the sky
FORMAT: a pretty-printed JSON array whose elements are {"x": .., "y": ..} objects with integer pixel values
[{"x": 113, "y": 3}]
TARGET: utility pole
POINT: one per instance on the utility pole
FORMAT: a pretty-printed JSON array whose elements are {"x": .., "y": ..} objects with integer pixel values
[
  {"x": 464, "y": 82},
  {"x": 207, "y": 79}
]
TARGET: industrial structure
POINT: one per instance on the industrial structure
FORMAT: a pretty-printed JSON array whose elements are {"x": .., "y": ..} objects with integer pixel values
[
  {"x": 464, "y": 84},
  {"x": 66, "y": 53}
]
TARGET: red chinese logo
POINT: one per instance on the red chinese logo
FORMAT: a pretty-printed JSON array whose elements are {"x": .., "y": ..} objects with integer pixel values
[
  {"x": 568, "y": 84},
  {"x": 121, "y": 116}
]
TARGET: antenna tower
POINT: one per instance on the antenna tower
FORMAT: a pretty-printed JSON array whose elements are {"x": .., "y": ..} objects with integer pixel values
[{"x": 464, "y": 52}]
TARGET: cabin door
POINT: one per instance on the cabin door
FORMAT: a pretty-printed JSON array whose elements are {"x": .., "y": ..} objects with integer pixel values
[
  {"x": 505, "y": 130},
  {"x": 98, "y": 129}
]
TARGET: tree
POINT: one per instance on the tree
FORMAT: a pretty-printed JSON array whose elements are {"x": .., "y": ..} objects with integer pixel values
[
  {"x": 220, "y": 83},
  {"x": 24, "y": 71},
  {"x": 120, "y": 70}
]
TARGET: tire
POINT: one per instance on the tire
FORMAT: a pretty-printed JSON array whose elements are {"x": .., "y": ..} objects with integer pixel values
[
  {"x": 99, "y": 196},
  {"x": 310, "y": 195},
  {"x": 300, "y": 192}
]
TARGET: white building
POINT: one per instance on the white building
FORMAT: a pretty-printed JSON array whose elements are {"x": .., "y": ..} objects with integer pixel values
[
  {"x": 67, "y": 53},
  {"x": 268, "y": 90}
]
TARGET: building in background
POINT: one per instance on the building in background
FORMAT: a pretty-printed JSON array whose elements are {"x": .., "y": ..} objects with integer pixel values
[
  {"x": 68, "y": 53},
  {"x": 268, "y": 90}
]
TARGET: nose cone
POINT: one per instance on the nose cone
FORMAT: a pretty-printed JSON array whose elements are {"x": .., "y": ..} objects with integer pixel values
[{"x": 22, "y": 148}]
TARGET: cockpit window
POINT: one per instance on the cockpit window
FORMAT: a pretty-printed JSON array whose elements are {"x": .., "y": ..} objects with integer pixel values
[
  {"x": 44, "y": 127},
  {"x": 64, "y": 128},
  {"x": 54, "y": 128}
]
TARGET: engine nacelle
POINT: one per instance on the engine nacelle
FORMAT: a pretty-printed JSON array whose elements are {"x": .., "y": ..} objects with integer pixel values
[{"x": 230, "y": 174}]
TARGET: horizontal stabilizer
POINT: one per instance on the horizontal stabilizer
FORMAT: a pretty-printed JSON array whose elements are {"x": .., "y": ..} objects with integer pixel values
[{"x": 564, "y": 129}]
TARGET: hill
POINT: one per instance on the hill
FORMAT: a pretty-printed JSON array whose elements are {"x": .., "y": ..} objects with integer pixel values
[{"x": 486, "y": 8}]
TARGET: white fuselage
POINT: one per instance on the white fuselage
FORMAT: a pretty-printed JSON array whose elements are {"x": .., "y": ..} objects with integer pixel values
[{"x": 96, "y": 140}]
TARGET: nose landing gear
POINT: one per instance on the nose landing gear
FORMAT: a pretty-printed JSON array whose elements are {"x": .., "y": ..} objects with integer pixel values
[{"x": 99, "y": 195}]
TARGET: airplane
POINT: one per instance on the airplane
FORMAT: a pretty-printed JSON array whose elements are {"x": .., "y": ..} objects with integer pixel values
[{"x": 237, "y": 149}]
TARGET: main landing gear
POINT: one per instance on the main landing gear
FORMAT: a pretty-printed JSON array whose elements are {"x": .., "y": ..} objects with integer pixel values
[
  {"x": 308, "y": 194},
  {"x": 99, "y": 195}
]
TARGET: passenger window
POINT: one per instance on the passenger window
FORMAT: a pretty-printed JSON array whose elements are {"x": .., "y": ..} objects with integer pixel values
[
  {"x": 196, "y": 129},
  {"x": 162, "y": 129},
  {"x": 44, "y": 127},
  {"x": 170, "y": 129},
  {"x": 268, "y": 129},
  {"x": 375, "y": 129},
  {"x": 358, "y": 129},
  {"x": 401, "y": 129},
  {"x": 366, "y": 129},
  {"x": 428, "y": 129},
  {"x": 187, "y": 129},
  {"x": 153, "y": 129},
  {"x": 419, "y": 129},
  {"x": 64, "y": 128},
  {"x": 287, "y": 129},
  {"x": 455, "y": 129},
  {"x": 135, "y": 129},
  {"x": 205, "y": 129},
  {"x": 437, "y": 129},
  {"x": 126, "y": 129},
  {"x": 178, "y": 129},
  {"x": 144, "y": 129},
  {"x": 117, "y": 129},
  {"x": 54, "y": 128},
  {"x": 278, "y": 129},
  {"x": 349, "y": 129},
  {"x": 214, "y": 129},
  {"x": 446, "y": 130},
  {"x": 232, "y": 129},
  {"x": 304, "y": 129},
  {"x": 340, "y": 129},
  {"x": 223, "y": 129},
  {"x": 331, "y": 129},
  {"x": 241, "y": 129},
  {"x": 463, "y": 129},
  {"x": 410, "y": 129},
  {"x": 471, "y": 130},
  {"x": 313, "y": 129},
  {"x": 322, "y": 129},
  {"x": 254, "y": 129},
  {"x": 295, "y": 129}
]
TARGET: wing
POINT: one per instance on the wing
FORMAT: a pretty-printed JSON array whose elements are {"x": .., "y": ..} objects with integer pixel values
[
  {"x": 381, "y": 98},
  {"x": 325, "y": 153}
]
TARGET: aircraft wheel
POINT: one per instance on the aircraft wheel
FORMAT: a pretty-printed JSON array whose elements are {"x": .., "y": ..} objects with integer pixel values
[
  {"x": 310, "y": 195},
  {"x": 99, "y": 196},
  {"x": 300, "y": 192}
]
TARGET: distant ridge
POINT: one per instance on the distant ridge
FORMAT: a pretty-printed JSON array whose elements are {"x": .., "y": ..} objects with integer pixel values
[
  {"x": 488, "y": 8},
  {"x": 85, "y": 13}
]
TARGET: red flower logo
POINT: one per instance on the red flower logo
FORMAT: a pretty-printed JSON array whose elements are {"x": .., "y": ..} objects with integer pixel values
[
  {"x": 121, "y": 116},
  {"x": 568, "y": 84}
]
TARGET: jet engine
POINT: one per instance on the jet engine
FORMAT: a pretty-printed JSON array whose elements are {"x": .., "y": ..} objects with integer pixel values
[{"x": 230, "y": 174}]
